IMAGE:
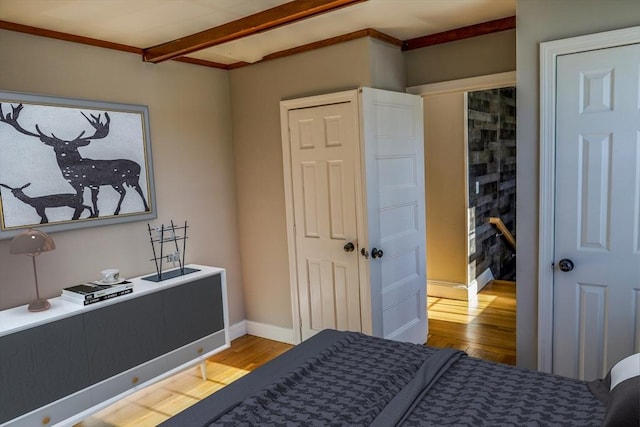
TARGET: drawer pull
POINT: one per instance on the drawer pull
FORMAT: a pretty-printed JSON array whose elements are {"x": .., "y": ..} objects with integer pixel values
[
  {"x": 135, "y": 380},
  {"x": 200, "y": 350},
  {"x": 46, "y": 420}
]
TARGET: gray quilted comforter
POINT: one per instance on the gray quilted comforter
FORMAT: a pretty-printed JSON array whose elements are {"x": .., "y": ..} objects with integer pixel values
[{"x": 358, "y": 380}]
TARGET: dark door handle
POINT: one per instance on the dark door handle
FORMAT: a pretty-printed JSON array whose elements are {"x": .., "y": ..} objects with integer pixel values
[
  {"x": 349, "y": 247},
  {"x": 364, "y": 253},
  {"x": 376, "y": 253},
  {"x": 565, "y": 265}
]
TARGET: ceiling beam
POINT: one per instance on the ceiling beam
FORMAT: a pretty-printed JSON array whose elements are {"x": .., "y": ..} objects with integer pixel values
[
  {"x": 461, "y": 33},
  {"x": 262, "y": 21}
]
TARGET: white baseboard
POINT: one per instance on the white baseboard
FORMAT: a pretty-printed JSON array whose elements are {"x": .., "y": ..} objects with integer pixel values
[
  {"x": 459, "y": 291},
  {"x": 481, "y": 281},
  {"x": 261, "y": 330},
  {"x": 238, "y": 330},
  {"x": 449, "y": 290},
  {"x": 271, "y": 332}
]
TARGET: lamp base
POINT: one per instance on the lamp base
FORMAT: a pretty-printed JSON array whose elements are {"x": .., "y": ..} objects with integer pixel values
[{"x": 39, "y": 305}]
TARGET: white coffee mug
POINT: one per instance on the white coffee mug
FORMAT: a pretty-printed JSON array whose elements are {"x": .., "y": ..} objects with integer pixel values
[{"x": 110, "y": 275}]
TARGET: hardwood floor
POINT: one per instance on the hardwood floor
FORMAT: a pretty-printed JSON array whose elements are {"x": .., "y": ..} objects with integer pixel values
[
  {"x": 156, "y": 403},
  {"x": 484, "y": 329}
]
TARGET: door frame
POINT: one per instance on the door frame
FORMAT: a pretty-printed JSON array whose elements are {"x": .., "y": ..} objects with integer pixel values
[
  {"x": 351, "y": 97},
  {"x": 549, "y": 53}
]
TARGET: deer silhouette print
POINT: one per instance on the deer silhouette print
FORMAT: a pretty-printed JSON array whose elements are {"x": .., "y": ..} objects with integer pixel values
[
  {"x": 82, "y": 172},
  {"x": 41, "y": 203}
]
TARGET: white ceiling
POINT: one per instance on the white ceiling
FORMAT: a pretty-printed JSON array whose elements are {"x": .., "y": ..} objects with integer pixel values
[{"x": 146, "y": 23}]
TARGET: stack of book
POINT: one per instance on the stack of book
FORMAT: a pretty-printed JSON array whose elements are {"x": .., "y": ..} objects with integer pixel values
[{"x": 90, "y": 293}]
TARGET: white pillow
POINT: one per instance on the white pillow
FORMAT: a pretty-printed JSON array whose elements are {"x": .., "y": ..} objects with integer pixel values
[{"x": 625, "y": 369}]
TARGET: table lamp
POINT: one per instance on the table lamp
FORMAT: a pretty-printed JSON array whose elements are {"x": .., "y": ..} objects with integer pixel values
[{"x": 33, "y": 242}]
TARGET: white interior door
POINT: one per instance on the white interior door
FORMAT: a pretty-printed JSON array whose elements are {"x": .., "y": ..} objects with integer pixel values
[
  {"x": 323, "y": 143},
  {"x": 394, "y": 163},
  {"x": 596, "y": 318}
]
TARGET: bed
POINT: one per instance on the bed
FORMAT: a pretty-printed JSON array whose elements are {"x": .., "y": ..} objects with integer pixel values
[{"x": 350, "y": 379}]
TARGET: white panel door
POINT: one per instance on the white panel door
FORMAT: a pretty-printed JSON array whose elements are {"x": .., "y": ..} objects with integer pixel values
[
  {"x": 597, "y": 218},
  {"x": 323, "y": 143},
  {"x": 396, "y": 236}
]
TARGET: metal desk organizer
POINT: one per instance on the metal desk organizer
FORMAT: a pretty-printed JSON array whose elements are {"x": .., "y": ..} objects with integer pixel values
[{"x": 167, "y": 234}]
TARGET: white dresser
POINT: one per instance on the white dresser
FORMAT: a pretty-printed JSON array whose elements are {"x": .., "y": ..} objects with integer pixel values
[{"x": 59, "y": 366}]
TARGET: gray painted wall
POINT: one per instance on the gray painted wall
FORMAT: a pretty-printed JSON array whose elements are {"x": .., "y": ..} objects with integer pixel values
[
  {"x": 539, "y": 21},
  {"x": 387, "y": 66},
  {"x": 445, "y": 187},
  {"x": 477, "y": 56}
]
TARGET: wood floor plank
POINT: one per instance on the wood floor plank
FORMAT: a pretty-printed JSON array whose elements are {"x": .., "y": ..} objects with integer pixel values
[
  {"x": 484, "y": 328},
  {"x": 158, "y": 402}
]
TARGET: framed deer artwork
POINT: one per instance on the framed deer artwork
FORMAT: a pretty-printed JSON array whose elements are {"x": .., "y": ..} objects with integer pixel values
[{"x": 68, "y": 163}]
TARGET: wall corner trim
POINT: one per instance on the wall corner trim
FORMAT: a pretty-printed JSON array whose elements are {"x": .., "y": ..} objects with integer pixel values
[{"x": 238, "y": 330}]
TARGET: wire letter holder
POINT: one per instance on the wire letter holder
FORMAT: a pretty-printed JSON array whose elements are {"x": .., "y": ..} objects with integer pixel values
[{"x": 169, "y": 235}]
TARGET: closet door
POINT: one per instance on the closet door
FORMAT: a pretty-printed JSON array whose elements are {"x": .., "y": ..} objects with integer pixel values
[
  {"x": 596, "y": 319},
  {"x": 393, "y": 145},
  {"x": 324, "y": 165}
]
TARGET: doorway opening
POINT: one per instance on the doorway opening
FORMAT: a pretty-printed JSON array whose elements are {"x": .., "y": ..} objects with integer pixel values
[{"x": 470, "y": 162}]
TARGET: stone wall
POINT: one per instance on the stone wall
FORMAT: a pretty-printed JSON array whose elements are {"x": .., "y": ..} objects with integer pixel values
[{"x": 492, "y": 180}]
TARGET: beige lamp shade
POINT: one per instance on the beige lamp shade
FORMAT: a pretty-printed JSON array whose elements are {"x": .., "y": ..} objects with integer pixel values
[{"x": 31, "y": 242}]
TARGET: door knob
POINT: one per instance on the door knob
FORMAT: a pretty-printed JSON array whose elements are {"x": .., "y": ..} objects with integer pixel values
[
  {"x": 349, "y": 247},
  {"x": 565, "y": 265},
  {"x": 364, "y": 253},
  {"x": 376, "y": 253}
]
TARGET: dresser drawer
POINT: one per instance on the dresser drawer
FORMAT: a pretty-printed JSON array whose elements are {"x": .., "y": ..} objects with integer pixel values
[
  {"x": 197, "y": 351},
  {"x": 54, "y": 413},
  {"x": 128, "y": 380}
]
